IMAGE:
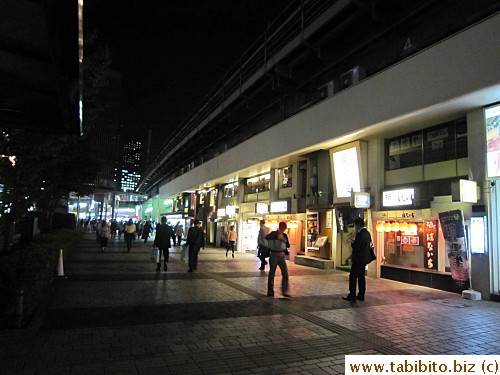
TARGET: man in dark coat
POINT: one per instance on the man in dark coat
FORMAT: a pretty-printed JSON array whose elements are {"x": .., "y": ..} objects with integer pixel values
[
  {"x": 361, "y": 250},
  {"x": 162, "y": 242},
  {"x": 278, "y": 244},
  {"x": 195, "y": 240}
]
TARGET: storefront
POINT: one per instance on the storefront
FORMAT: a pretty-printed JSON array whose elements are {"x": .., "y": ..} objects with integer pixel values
[
  {"x": 251, "y": 214},
  {"x": 295, "y": 232},
  {"x": 318, "y": 238},
  {"x": 174, "y": 218},
  {"x": 412, "y": 245},
  {"x": 226, "y": 217},
  {"x": 345, "y": 233}
]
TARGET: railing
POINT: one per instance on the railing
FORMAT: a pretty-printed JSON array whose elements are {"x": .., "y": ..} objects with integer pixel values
[{"x": 258, "y": 59}]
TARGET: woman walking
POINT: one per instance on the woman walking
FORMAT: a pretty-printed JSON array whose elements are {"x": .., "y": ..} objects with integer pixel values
[
  {"x": 104, "y": 235},
  {"x": 231, "y": 238}
]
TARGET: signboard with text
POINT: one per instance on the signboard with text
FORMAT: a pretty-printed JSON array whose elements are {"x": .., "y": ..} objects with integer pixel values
[
  {"x": 430, "y": 244},
  {"x": 395, "y": 198},
  {"x": 452, "y": 225},
  {"x": 279, "y": 206},
  {"x": 346, "y": 170},
  {"x": 261, "y": 208}
]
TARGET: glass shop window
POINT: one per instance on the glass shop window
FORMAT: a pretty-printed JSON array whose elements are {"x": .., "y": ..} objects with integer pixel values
[
  {"x": 230, "y": 190},
  {"x": 286, "y": 177},
  {"x": 447, "y": 141},
  {"x": 258, "y": 184}
]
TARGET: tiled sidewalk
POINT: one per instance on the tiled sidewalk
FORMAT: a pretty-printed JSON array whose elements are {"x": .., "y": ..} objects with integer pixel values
[{"x": 115, "y": 314}]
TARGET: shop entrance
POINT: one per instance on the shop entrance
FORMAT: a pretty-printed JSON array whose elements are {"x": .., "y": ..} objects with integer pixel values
[{"x": 345, "y": 218}]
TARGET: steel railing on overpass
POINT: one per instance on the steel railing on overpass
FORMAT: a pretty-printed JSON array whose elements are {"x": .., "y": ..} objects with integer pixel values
[{"x": 299, "y": 20}]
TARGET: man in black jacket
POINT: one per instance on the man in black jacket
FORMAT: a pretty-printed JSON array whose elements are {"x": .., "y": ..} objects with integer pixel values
[
  {"x": 361, "y": 249},
  {"x": 195, "y": 240},
  {"x": 162, "y": 242}
]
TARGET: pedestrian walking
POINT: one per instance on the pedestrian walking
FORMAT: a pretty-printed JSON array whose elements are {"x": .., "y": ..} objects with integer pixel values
[
  {"x": 97, "y": 229},
  {"x": 231, "y": 239},
  {"x": 179, "y": 232},
  {"x": 104, "y": 235},
  {"x": 263, "y": 250},
  {"x": 114, "y": 228},
  {"x": 361, "y": 251},
  {"x": 162, "y": 242},
  {"x": 121, "y": 229},
  {"x": 278, "y": 244},
  {"x": 129, "y": 234},
  {"x": 146, "y": 230},
  {"x": 173, "y": 233},
  {"x": 195, "y": 240}
]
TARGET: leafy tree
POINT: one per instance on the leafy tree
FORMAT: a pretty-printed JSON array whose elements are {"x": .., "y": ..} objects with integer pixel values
[{"x": 49, "y": 166}]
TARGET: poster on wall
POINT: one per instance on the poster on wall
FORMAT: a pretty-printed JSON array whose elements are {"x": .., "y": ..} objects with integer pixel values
[{"x": 452, "y": 225}]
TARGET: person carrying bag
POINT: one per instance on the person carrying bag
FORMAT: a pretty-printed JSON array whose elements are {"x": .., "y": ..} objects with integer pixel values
[{"x": 278, "y": 244}]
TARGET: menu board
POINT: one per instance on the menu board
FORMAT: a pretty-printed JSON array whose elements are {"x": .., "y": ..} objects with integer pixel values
[{"x": 312, "y": 228}]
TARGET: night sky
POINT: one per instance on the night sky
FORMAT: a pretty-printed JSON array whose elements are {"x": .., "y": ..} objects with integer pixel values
[{"x": 172, "y": 52}]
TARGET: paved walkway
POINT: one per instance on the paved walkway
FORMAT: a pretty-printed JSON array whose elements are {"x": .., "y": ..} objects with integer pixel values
[{"x": 115, "y": 314}]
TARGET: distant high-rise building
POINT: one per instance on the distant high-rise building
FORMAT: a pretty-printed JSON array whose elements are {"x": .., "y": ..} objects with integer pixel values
[
  {"x": 131, "y": 165},
  {"x": 106, "y": 136}
]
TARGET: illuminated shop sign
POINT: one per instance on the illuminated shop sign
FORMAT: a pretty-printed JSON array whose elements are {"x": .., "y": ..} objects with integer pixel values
[
  {"x": 221, "y": 212},
  {"x": 346, "y": 170},
  {"x": 492, "y": 123},
  {"x": 279, "y": 206},
  {"x": 477, "y": 235},
  {"x": 361, "y": 200},
  {"x": 410, "y": 240},
  {"x": 402, "y": 197},
  {"x": 430, "y": 244},
  {"x": 261, "y": 208},
  {"x": 231, "y": 210},
  {"x": 464, "y": 191}
]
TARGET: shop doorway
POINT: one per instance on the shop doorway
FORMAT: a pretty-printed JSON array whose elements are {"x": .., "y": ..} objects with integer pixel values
[{"x": 345, "y": 225}]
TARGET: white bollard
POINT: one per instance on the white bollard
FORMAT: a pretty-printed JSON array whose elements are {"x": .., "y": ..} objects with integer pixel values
[{"x": 60, "y": 266}]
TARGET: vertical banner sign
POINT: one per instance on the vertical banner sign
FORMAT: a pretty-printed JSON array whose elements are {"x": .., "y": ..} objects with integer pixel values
[
  {"x": 430, "y": 244},
  {"x": 452, "y": 225}
]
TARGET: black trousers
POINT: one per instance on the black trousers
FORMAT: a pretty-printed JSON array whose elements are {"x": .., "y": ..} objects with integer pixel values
[
  {"x": 193, "y": 257},
  {"x": 357, "y": 275},
  {"x": 166, "y": 254}
]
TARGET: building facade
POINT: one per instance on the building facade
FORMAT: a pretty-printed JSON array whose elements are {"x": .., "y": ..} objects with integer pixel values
[
  {"x": 393, "y": 147},
  {"x": 131, "y": 165}
]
